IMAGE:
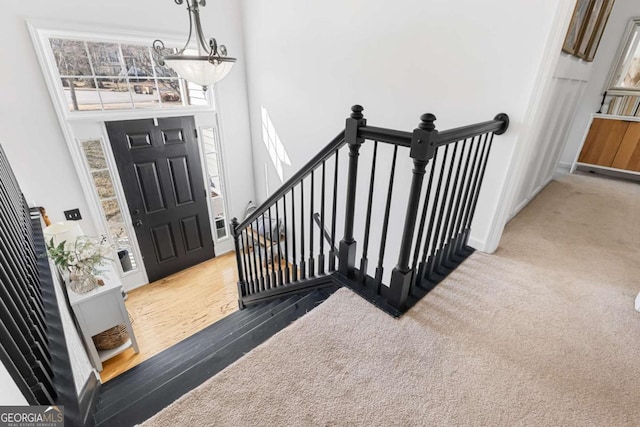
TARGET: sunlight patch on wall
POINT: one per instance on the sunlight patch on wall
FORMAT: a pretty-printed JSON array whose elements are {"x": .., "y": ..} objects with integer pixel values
[{"x": 277, "y": 152}]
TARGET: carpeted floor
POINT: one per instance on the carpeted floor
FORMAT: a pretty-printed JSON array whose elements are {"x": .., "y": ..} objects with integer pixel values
[{"x": 541, "y": 333}]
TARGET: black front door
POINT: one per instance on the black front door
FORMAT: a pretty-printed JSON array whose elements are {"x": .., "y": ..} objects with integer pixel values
[{"x": 161, "y": 175}]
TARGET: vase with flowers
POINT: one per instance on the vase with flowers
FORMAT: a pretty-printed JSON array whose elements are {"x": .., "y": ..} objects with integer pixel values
[{"x": 83, "y": 259}]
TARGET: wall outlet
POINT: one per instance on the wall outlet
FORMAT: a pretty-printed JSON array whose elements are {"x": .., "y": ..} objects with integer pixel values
[{"x": 72, "y": 215}]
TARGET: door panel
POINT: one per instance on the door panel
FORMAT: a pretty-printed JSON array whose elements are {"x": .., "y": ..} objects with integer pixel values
[
  {"x": 149, "y": 187},
  {"x": 191, "y": 233},
  {"x": 180, "y": 181},
  {"x": 161, "y": 175}
]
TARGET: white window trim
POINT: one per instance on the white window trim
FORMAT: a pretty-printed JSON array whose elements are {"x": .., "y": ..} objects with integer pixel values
[
  {"x": 223, "y": 244},
  {"x": 41, "y": 31}
]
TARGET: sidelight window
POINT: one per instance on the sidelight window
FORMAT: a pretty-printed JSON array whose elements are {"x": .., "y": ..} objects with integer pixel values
[
  {"x": 216, "y": 190},
  {"x": 111, "y": 209}
]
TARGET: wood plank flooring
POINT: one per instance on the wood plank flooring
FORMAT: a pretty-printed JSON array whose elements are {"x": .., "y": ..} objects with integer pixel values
[{"x": 169, "y": 310}]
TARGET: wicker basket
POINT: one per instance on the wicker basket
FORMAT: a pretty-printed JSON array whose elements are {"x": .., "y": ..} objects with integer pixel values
[{"x": 111, "y": 338}]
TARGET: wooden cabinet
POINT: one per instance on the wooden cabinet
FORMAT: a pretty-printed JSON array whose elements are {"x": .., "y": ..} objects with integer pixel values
[{"x": 612, "y": 143}]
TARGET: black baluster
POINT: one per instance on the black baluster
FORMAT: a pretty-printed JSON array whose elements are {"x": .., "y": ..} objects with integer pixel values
[
  {"x": 251, "y": 289},
  {"x": 477, "y": 191},
  {"x": 255, "y": 237},
  {"x": 434, "y": 266},
  {"x": 385, "y": 223},
  {"x": 332, "y": 252},
  {"x": 267, "y": 274},
  {"x": 422, "y": 150},
  {"x": 466, "y": 201},
  {"x": 347, "y": 253},
  {"x": 274, "y": 281},
  {"x": 303, "y": 265},
  {"x": 247, "y": 273},
  {"x": 312, "y": 271},
  {"x": 14, "y": 285},
  {"x": 287, "y": 277},
  {"x": 423, "y": 218},
  {"x": 322, "y": 231},
  {"x": 461, "y": 249},
  {"x": 9, "y": 246},
  {"x": 278, "y": 247},
  {"x": 14, "y": 313},
  {"x": 443, "y": 260},
  {"x": 367, "y": 225},
  {"x": 452, "y": 238},
  {"x": 294, "y": 266},
  {"x": 427, "y": 251},
  {"x": 241, "y": 283}
]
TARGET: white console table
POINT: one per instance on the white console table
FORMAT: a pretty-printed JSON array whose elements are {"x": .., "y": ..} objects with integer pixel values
[{"x": 101, "y": 309}]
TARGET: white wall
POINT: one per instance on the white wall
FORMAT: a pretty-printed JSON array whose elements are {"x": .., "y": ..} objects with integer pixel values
[
  {"x": 465, "y": 61},
  {"x": 622, "y": 12},
  {"x": 10, "y": 394},
  {"x": 31, "y": 134},
  {"x": 553, "y": 124}
]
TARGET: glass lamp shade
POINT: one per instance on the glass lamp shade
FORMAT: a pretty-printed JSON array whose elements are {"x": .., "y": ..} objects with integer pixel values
[
  {"x": 198, "y": 69},
  {"x": 67, "y": 231}
]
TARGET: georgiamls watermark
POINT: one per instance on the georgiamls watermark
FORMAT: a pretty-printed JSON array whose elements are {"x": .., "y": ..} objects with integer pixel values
[{"x": 31, "y": 416}]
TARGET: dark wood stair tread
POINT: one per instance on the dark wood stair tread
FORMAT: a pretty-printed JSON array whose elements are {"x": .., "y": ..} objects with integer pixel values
[{"x": 190, "y": 345}]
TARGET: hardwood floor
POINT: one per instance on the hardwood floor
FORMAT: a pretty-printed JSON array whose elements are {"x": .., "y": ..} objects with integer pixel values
[{"x": 169, "y": 310}]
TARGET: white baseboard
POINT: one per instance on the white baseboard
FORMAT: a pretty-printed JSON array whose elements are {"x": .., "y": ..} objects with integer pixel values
[
  {"x": 480, "y": 245},
  {"x": 563, "y": 169}
]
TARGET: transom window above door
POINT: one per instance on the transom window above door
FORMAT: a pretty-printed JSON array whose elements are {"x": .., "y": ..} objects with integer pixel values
[{"x": 97, "y": 76}]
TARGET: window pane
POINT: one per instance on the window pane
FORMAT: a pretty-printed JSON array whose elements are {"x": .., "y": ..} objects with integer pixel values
[
  {"x": 103, "y": 183},
  {"x": 114, "y": 76},
  {"x": 196, "y": 96},
  {"x": 170, "y": 92},
  {"x": 81, "y": 94},
  {"x": 209, "y": 140},
  {"x": 94, "y": 154},
  {"x": 115, "y": 94},
  {"x": 119, "y": 235},
  {"x": 112, "y": 211},
  {"x": 71, "y": 57},
  {"x": 221, "y": 225},
  {"x": 137, "y": 61},
  {"x": 145, "y": 94},
  {"x": 215, "y": 184},
  {"x": 105, "y": 58},
  {"x": 212, "y": 164}
]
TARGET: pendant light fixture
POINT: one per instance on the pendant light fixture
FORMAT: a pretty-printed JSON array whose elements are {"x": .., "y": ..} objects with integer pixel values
[{"x": 210, "y": 65}]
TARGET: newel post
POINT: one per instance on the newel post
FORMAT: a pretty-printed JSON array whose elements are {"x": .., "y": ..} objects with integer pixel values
[
  {"x": 241, "y": 284},
  {"x": 423, "y": 148},
  {"x": 347, "y": 249}
]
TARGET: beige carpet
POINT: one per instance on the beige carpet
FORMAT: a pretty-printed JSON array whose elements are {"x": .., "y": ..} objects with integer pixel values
[{"x": 542, "y": 333}]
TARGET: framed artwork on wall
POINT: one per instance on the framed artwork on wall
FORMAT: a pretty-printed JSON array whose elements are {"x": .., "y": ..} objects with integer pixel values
[
  {"x": 586, "y": 28},
  {"x": 583, "y": 8},
  {"x": 596, "y": 34}
]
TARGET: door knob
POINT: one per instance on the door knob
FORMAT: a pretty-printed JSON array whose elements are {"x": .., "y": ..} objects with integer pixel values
[{"x": 137, "y": 223}]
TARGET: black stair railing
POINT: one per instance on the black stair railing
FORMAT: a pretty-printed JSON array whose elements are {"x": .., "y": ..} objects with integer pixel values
[
  {"x": 32, "y": 342},
  {"x": 280, "y": 243},
  {"x": 289, "y": 243}
]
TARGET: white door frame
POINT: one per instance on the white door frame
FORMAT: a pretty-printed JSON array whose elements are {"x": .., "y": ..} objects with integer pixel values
[{"x": 81, "y": 126}]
